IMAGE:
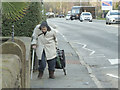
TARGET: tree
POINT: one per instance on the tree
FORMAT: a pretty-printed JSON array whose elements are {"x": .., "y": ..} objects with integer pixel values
[
  {"x": 116, "y": 6},
  {"x": 14, "y": 10},
  {"x": 30, "y": 15}
]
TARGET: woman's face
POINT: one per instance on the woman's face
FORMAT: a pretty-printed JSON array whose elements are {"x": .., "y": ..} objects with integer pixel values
[{"x": 44, "y": 29}]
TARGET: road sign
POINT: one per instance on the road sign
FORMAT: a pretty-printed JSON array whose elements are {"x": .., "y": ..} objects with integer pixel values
[{"x": 106, "y": 4}]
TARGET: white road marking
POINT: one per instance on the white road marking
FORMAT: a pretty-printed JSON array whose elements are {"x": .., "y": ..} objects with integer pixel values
[
  {"x": 112, "y": 75},
  {"x": 110, "y": 67},
  {"x": 56, "y": 26},
  {"x": 63, "y": 36},
  {"x": 84, "y": 47},
  {"x": 60, "y": 34},
  {"x": 114, "y": 61},
  {"x": 92, "y": 53}
]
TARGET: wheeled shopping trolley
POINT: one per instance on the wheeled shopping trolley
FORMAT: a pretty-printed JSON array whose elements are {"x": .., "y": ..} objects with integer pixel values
[{"x": 61, "y": 62}]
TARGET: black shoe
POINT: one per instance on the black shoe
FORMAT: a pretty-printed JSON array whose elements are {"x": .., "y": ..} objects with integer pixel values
[
  {"x": 40, "y": 74},
  {"x": 51, "y": 74}
]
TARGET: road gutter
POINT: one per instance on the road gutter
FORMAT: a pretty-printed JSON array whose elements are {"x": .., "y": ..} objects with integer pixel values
[{"x": 97, "y": 82}]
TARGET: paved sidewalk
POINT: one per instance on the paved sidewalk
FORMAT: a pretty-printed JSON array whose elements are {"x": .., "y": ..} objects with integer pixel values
[{"x": 77, "y": 74}]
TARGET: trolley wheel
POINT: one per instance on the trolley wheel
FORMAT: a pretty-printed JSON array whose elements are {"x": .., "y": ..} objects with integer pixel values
[{"x": 64, "y": 71}]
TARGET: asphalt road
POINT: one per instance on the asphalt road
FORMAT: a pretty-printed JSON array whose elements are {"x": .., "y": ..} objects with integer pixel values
[{"x": 97, "y": 45}]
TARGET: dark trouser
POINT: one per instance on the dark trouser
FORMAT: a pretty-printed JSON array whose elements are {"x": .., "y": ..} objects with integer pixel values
[{"x": 42, "y": 63}]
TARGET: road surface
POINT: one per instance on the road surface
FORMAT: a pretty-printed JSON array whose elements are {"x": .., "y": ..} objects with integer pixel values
[{"x": 97, "y": 46}]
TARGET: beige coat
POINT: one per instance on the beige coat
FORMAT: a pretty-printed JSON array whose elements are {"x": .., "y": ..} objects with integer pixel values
[{"x": 47, "y": 42}]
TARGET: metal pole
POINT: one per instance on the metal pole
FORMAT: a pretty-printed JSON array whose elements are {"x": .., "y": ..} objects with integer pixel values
[
  {"x": 97, "y": 9},
  {"x": 80, "y": 2},
  {"x": 33, "y": 53},
  {"x": 60, "y": 6},
  {"x": 42, "y": 11},
  {"x": 13, "y": 33}
]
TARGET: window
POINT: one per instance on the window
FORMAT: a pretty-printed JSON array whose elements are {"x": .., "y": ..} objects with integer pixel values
[
  {"x": 114, "y": 13},
  {"x": 86, "y": 13},
  {"x": 75, "y": 10}
]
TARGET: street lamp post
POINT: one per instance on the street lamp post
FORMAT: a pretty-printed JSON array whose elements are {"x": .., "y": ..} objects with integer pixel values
[
  {"x": 80, "y": 2},
  {"x": 60, "y": 6},
  {"x": 97, "y": 9},
  {"x": 42, "y": 9},
  {"x": 13, "y": 33},
  {"x": 42, "y": 2}
]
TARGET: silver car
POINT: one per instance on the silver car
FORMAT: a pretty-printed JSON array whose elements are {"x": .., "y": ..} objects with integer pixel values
[{"x": 113, "y": 16}]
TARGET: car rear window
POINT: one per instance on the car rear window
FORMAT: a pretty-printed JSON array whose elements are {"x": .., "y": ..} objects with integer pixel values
[
  {"x": 114, "y": 13},
  {"x": 86, "y": 13}
]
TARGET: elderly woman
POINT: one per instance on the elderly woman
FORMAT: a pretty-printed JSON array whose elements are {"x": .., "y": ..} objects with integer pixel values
[{"x": 45, "y": 43}]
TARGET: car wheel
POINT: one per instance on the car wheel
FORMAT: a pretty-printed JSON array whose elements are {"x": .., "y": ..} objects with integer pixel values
[
  {"x": 106, "y": 22},
  {"x": 81, "y": 20},
  {"x": 109, "y": 23},
  {"x": 90, "y": 21},
  {"x": 71, "y": 18}
]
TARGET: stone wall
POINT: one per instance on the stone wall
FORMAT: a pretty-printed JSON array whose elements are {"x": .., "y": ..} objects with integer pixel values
[
  {"x": 16, "y": 62},
  {"x": 11, "y": 67}
]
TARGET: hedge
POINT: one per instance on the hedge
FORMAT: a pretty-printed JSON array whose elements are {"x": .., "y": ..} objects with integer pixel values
[{"x": 26, "y": 25}]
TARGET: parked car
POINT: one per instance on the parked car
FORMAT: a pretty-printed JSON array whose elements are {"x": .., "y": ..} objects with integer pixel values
[
  {"x": 69, "y": 12},
  {"x": 50, "y": 14},
  {"x": 56, "y": 15},
  {"x": 86, "y": 16},
  {"x": 61, "y": 16},
  {"x": 113, "y": 16},
  {"x": 77, "y": 10},
  {"x": 68, "y": 17}
]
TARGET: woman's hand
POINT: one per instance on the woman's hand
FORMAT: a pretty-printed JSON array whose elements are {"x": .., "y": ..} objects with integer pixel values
[{"x": 34, "y": 46}]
